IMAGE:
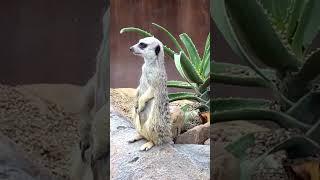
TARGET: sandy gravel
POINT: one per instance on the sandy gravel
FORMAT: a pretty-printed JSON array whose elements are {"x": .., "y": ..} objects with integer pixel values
[{"x": 42, "y": 120}]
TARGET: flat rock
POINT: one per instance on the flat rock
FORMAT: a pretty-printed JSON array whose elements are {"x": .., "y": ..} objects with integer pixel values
[
  {"x": 196, "y": 135},
  {"x": 178, "y": 161},
  {"x": 227, "y": 132},
  {"x": 65, "y": 95}
]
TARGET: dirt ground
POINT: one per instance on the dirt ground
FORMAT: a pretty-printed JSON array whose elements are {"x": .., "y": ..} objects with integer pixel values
[{"x": 43, "y": 120}]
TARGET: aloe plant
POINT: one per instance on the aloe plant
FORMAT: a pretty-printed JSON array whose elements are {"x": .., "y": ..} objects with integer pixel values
[
  {"x": 192, "y": 67},
  {"x": 277, "y": 34}
]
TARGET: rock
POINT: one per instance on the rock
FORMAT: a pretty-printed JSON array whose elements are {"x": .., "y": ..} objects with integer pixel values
[
  {"x": 196, "y": 135},
  {"x": 65, "y": 95},
  {"x": 191, "y": 120},
  {"x": 122, "y": 100},
  {"x": 225, "y": 165},
  {"x": 207, "y": 142},
  {"x": 15, "y": 166},
  {"x": 227, "y": 132},
  {"x": 177, "y": 118},
  {"x": 160, "y": 162}
]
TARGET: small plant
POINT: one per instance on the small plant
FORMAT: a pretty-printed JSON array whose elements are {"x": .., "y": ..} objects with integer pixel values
[
  {"x": 278, "y": 34},
  {"x": 192, "y": 67}
]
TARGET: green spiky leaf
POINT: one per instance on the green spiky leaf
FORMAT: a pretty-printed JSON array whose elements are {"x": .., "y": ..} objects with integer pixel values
[
  {"x": 238, "y": 147},
  {"x": 307, "y": 108},
  {"x": 296, "y": 147},
  {"x": 173, "y": 39},
  {"x": 179, "y": 84},
  {"x": 310, "y": 69},
  {"x": 206, "y": 51},
  {"x": 205, "y": 66},
  {"x": 242, "y": 23},
  {"x": 183, "y": 96},
  {"x": 307, "y": 27},
  {"x": 225, "y": 104},
  {"x": 205, "y": 62},
  {"x": 249, "y": 114},
  {"x": 234, "y": 74},
  {"x": 187, "y": 70},
  {"x": 204, "y": 87},
  {"x": 192, "y": 50}
]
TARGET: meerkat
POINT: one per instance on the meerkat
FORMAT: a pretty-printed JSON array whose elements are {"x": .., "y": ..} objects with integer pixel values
[
  {"x": 152, "y": 117},
  {"x": 90, "y": 159}
]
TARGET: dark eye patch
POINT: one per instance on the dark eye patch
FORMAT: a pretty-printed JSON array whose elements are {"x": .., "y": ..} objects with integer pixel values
[
  {"x": 157, "y": 50},
  {"x": 142, "y": 45}
]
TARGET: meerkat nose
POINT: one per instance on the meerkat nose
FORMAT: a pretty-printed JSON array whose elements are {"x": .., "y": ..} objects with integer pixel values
[{"x": 131, "y": 48}]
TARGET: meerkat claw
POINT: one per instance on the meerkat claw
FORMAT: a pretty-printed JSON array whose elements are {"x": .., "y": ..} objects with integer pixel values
[{"x": 146, "y": 146}]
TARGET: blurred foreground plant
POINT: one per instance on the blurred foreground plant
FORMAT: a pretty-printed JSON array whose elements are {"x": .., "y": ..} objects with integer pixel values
[{"x": 278, "y": 34}]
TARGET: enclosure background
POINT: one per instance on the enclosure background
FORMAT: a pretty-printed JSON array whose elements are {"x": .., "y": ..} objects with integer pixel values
[{"x": 178, "y": 16}]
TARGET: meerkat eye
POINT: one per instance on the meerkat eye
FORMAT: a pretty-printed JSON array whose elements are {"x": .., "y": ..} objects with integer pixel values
[{"x": 142, "y": 45}]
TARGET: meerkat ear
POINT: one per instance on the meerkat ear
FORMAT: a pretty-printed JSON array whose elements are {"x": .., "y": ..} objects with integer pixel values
[{"x": 157, "y": 50}]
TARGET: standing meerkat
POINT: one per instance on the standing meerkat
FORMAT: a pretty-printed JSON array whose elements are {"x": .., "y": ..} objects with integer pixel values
[{"x": 151, "y": 113}]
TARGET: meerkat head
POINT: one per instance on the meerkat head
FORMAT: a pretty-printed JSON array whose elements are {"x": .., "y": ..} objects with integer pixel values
[{"x": 150, "y": 48}]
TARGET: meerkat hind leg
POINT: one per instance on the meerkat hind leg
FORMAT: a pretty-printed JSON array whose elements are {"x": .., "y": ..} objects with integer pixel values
[
  {"x": 137, "y": 137},
  {"x": 147, "y": 146}
]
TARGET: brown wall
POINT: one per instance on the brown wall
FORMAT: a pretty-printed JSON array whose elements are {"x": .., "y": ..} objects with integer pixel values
[
  {"x": 49, "y": 41},
  {"x": 57, "y": 41},
  {"x": 178, "y": 16}
]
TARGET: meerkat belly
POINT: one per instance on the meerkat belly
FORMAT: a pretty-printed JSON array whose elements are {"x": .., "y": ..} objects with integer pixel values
[{"x": 146, "y": 122}]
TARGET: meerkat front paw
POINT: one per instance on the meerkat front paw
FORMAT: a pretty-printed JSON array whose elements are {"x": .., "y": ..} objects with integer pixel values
[
  {"x": 136, "y": 105},
  {"x": 146, "y": 146},
  {"x": 137, "y": 137},
  {"x": 141, "y": 105},
  {"x": 84, "y": 145}
]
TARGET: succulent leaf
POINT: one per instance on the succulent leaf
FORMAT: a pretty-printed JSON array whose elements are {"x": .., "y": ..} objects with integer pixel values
[
  {"x": 238, "y": 147},
  {"x": 174, "y": 40},
  {"x": 307, "y": 108},
  {"x": 206, "y": 51},
  {"x": 179, "y": 84},
  {"x": 310, "y": 69},
  {"x": 247, "y": 40},
  {"x": 296, "y": 146},
  {"x": 187, "y": 70},
  {"x": 203, "y": 87},
  {"x": 234, "y": 74},
  {"x": 226, "y": 104},
  {"x": 308, "y": 26},
  {"x": 280, "y": 118},
  {"x": 182, "y": 96},
  {"x": 192, "y": 50},
  {"x": 205, "y": 66}
]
